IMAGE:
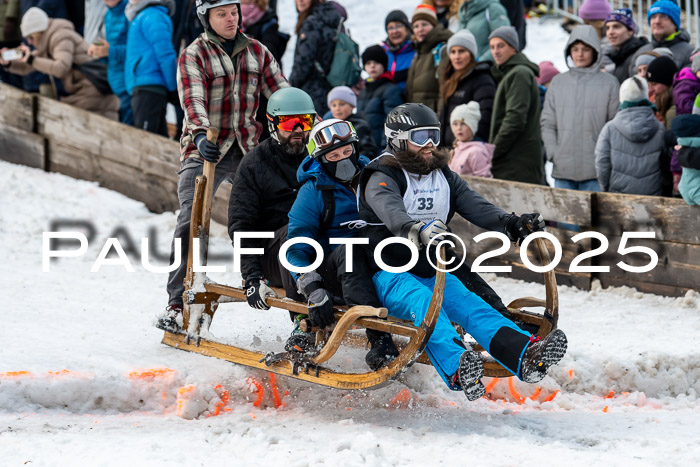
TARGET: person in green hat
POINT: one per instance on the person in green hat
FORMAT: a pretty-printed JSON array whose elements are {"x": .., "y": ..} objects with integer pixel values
[{"x": 264, "y": 190}]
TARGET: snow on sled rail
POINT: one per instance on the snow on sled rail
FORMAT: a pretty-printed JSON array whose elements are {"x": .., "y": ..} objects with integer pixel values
[{"x": 202, "y": 298}]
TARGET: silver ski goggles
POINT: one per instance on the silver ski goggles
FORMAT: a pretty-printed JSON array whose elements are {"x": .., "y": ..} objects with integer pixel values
[
  {"x": 420, "y": 137},
  {"x": 324, "y": 138}
]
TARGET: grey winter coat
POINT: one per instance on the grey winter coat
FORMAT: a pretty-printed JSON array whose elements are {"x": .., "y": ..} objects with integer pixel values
[
  {"x": 628, "y": 151},
  {"x": 577, "y": 105},
  {"x": 679, "y": 44}
]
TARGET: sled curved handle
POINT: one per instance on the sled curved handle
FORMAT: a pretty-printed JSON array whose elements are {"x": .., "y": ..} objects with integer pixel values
[{"x": 343, "y": 326}]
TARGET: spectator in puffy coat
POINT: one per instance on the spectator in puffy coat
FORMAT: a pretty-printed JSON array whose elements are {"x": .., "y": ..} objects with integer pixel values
[
  {"x": 114, "y": 48},
  {"x": 686, "y": 86},
  {"x": 57, "y": 48},
  {"x": 429, "y": 38},
  {"x": 628, "y": 152},
  {"x": 624, "y": 46},
  {"x": 482, "y": 17},
  {"x": 398, "y": 47},
  {"x": 379, "y": 95},
  {"x": 316, "y": 30},
  {"x": 464, "y": 80},
  {"x": 578, "y": 104},
  {"x": 151, "y": 62},
  {"x": 342, "y": 102},
  {"x": 515, "y": 122}
]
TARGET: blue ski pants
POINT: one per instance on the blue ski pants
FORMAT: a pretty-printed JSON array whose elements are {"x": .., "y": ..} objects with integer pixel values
[{"x": 408, "y": 297}]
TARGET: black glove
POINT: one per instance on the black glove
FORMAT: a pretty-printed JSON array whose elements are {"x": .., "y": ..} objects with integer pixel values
[
  {"x": 319, "y": 300},
  {"x": 209, "y": 151},
  {"x": 519, "y": 227},
  {"x": 256, "y": 290},
  {"x": 174, "y": 98}
]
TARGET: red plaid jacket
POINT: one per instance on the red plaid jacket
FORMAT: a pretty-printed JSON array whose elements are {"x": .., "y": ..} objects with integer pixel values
[{"x": 221, "y": 91}]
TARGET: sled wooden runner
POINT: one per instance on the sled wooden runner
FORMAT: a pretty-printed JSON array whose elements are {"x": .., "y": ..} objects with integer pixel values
[{"x": 203, "y": 296}]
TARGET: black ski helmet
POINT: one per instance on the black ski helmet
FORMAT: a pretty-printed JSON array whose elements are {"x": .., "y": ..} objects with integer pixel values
[{"x": 407, "y": 117}]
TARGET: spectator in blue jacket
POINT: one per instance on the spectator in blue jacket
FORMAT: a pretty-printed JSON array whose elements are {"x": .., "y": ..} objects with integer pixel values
[
  {"x": 329, "y": 176},
  {"x": 151, "y": 62},
  {"x": 398, "y": 47},
  {"x": 380, "y": 94},
  {"x": 114, "y": 48}
]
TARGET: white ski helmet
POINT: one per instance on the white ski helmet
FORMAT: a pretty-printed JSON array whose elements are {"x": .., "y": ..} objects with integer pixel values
[{"x": 205, "y": 5}]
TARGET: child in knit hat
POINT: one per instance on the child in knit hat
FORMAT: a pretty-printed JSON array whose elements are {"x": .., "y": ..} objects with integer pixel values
[
  {"x": 342, "y": 102},
  {"x": 469, "y": 157},
  {"x": 380, "y": 94}
]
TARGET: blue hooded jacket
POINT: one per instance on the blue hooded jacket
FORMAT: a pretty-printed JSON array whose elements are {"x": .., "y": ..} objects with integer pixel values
[
  {"x": 305, "y": 215},
  {"x": 150, "y": 57},
  {"x": 117, "y": 27}
]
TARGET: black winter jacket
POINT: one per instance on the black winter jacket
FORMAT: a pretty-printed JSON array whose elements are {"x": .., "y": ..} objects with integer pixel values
[
  {"x": 263, "y": 192},
  {"x": 315, "y": 44},
  {"x": 477, "y": 86},
  {"x": 367, "y": 145},
  {"x": 376, "y": 100},
  {"x": 266, "y": 30}
]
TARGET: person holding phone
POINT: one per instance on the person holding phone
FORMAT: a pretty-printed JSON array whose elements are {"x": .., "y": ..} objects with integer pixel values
[{"x": 57, "y": 48}]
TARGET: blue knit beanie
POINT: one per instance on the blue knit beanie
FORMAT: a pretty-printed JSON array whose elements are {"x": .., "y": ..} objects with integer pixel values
[{"x": 668, "y": 8}]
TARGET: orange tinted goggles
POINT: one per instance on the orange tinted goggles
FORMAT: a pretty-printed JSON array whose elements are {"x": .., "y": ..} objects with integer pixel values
[{"x": 290, "y": 122}]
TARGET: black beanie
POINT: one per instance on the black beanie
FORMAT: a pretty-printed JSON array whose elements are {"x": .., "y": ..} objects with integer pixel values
[
  {"x": 397, "y": 16},
  {"x": 376, "y": 53},
  {"x": 661, "y": 70}
]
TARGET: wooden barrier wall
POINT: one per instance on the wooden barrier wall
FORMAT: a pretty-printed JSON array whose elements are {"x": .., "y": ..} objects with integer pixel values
[{"x": 46, "y": 134}]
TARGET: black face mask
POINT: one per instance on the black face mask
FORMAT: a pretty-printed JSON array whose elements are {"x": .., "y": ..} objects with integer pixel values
[{"x": 343, "y": 170}]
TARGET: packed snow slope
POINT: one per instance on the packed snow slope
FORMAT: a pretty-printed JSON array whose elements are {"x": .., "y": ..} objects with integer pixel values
[
  {"x": 85, "y": 380},
  {"x": 83, "y": 374}
]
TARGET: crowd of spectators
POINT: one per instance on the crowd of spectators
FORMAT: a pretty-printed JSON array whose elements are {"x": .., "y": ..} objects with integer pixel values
[{"x": 607, "y": 123}]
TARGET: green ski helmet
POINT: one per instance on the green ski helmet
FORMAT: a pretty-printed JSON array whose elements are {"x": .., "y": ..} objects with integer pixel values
[{"x": 285, "y": 102}]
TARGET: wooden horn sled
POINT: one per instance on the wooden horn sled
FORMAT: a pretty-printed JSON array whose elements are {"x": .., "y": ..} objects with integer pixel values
[{"x": 202, "y": 297}]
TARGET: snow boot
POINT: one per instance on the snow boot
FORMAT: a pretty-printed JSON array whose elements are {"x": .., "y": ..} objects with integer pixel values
[
  {"x": 299, "y": 340},
  {"x": 171, "y": 320},
  {"x": 382, "y": 350},
  {"x": 469, "y": 374},
  {"x": 542, "y": 354}
]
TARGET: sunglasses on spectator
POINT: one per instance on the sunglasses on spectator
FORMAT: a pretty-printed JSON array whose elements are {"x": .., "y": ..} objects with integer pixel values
[
  {"x": 394, "y": 28},
  {"x": 290, "y": 122}
]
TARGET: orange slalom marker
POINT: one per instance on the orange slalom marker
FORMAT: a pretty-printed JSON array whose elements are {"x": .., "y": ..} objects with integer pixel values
[
  {"x": 259, "y": 390},
  {"x": 275, "y": 394}
]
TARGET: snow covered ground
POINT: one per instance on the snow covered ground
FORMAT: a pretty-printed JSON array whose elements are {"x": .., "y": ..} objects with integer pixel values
[{"x": 84, "y": 378}]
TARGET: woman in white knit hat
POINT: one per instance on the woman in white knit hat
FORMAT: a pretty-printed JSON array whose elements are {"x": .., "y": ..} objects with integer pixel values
[
  {"x": 463, "y": 80},
  {"x": 57, "y": 48}
]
